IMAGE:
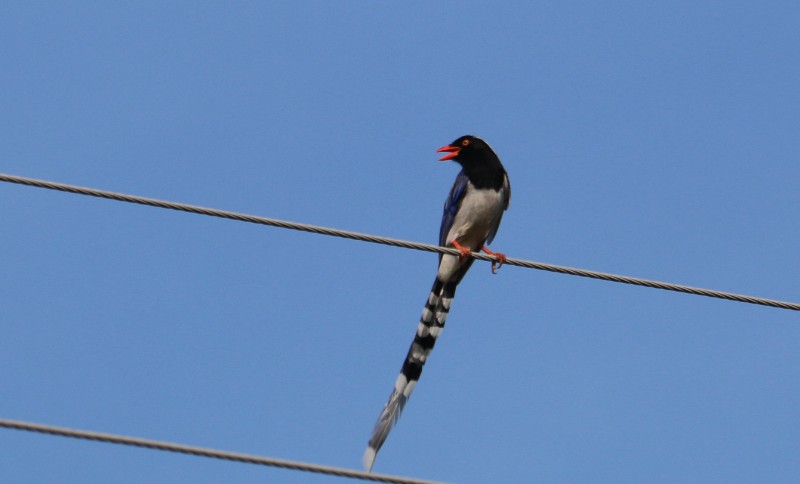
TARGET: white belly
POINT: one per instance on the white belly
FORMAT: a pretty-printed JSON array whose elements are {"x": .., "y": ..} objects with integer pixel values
[{"x": 478, "y": 216}]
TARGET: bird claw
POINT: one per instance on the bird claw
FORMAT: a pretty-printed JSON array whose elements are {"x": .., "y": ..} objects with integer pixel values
[
  {"x": 464, "y": 251},
  {"x": 501, "y": 259}
]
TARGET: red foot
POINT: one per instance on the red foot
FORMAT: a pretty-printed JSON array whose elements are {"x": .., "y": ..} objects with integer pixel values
[
  {"x": 464, "y": 250},
  {"x": 501, "y": 258}
]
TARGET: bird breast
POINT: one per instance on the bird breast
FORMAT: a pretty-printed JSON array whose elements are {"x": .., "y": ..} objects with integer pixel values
[{"x": 478, "y": 216}]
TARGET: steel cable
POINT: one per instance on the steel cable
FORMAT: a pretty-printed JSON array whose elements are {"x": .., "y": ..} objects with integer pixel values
[
  {"x": 205, "y": 452},
  {"x": 395, "y": 242}
]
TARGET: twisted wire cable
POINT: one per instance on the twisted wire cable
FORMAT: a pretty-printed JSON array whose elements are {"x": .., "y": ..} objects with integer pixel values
[
  {"x": 395, "y": 242},
  {"x": 205, "y": 452}
]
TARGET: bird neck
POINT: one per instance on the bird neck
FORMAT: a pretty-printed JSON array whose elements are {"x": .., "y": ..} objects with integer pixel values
[{"x": 488, "y": 174}]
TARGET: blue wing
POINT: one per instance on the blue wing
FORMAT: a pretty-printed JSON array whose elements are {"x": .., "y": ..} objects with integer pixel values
[{"x": 451, "y": 206}]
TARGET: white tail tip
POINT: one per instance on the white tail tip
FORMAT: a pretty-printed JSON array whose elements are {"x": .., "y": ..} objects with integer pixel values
[{"x": 369, "y": 458}]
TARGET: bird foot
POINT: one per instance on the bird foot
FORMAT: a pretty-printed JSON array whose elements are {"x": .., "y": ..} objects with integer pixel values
[
  {"x": 464, "y": 250},
  {"x": 501, "y": 259}
]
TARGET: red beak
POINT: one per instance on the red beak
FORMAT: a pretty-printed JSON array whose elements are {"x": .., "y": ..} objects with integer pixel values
[{"x": 452, "y": 152}]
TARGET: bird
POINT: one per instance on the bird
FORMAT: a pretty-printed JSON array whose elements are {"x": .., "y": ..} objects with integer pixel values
[{"x": 472, "y": 214}]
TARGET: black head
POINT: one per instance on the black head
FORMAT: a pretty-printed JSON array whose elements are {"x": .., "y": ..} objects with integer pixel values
[
  {"x": 480, "y": 164},
  {"x": 468, "y": 150}
]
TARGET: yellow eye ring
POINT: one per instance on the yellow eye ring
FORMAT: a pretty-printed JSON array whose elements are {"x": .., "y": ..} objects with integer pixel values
[{"x": 465, "y": 142}]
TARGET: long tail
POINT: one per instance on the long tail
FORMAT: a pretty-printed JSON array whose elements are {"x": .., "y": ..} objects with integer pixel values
[{"x": 430, "y": 327}]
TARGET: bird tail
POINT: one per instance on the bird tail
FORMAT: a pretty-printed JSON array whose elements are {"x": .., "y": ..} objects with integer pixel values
[{"x": 430, "y": 327}]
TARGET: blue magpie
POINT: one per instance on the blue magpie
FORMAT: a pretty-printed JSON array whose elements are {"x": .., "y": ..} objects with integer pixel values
[{"x": 472, "y": 213}]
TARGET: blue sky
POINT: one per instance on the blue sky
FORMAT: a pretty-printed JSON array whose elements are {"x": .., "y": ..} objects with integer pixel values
[{"x": 653, "y": 139}]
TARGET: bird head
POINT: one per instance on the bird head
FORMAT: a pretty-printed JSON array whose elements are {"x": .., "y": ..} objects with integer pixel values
[{"x": 465, "y": 149}]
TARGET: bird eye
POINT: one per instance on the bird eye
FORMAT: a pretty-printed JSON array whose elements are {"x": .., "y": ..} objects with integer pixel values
[{"x": 465, "y": 142}]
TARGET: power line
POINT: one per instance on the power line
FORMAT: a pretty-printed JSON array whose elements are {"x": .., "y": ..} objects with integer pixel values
[
  {"x": 205, "y": 452},
  {"x": 394, "y": 242}
]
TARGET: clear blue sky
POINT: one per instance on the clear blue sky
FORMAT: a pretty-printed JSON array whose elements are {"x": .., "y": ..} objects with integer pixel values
[{"x": 653, "y": 139}]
